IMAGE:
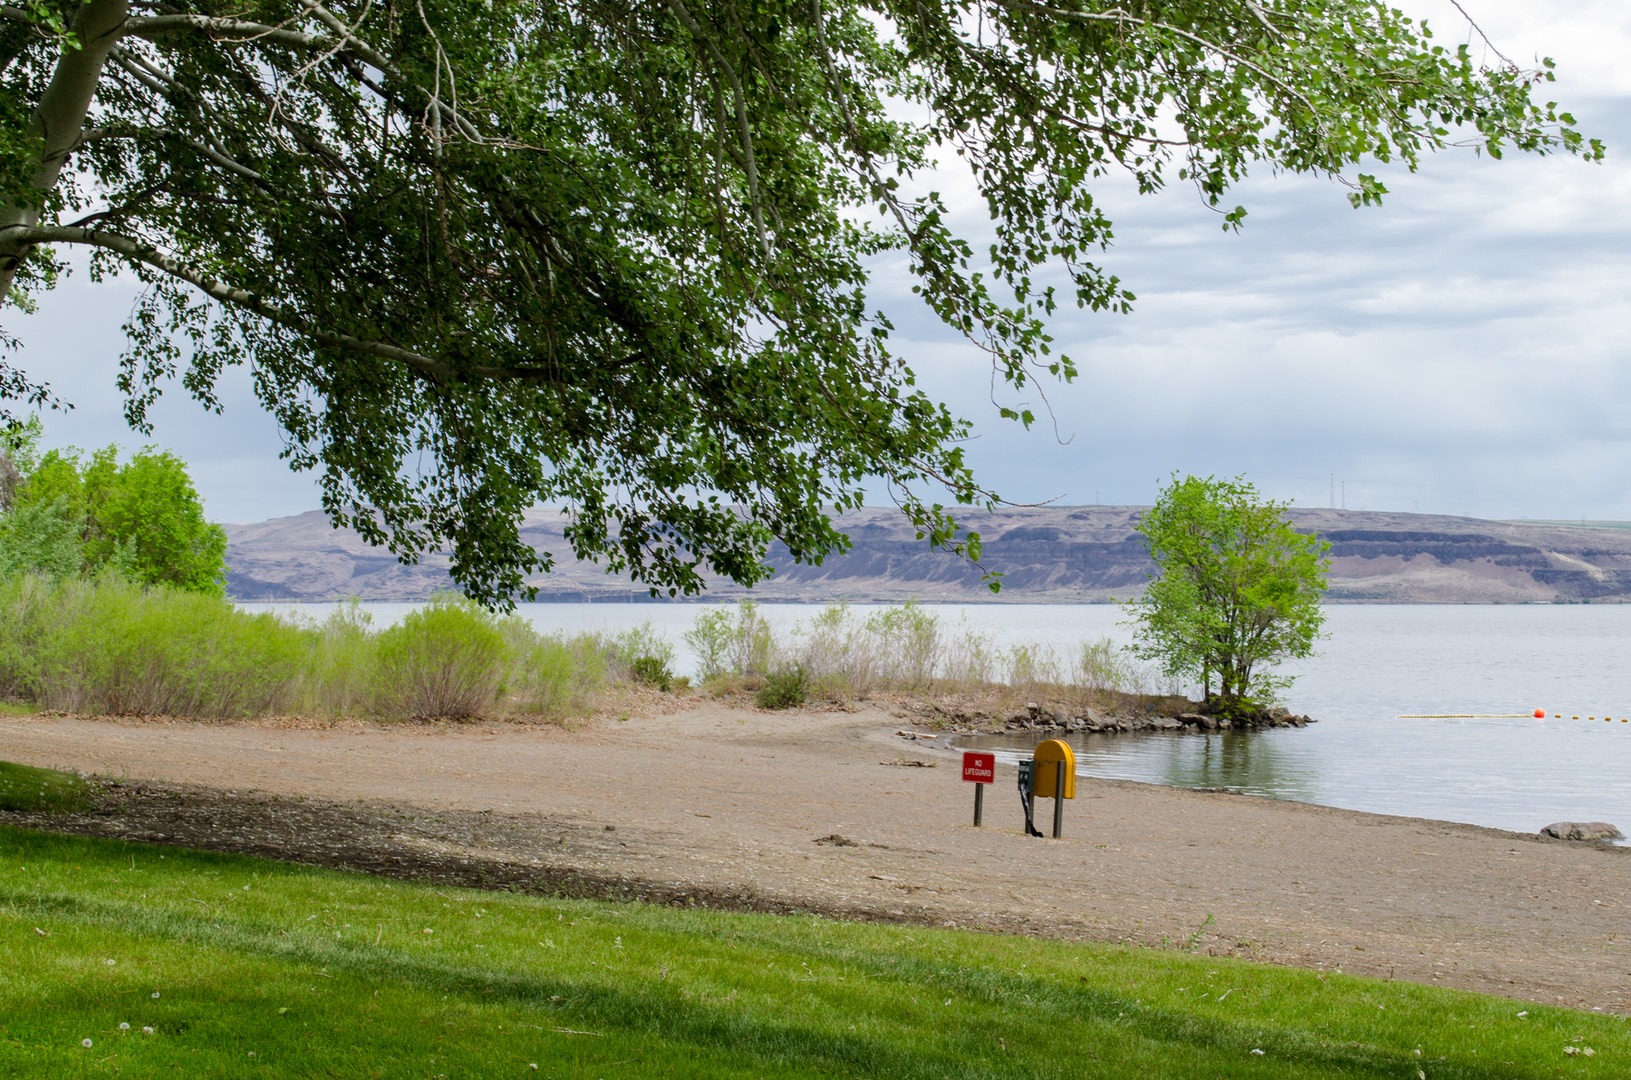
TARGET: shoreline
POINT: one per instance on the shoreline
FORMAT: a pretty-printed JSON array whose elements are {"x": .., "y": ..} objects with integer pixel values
[{"x": 832, "y": 812}]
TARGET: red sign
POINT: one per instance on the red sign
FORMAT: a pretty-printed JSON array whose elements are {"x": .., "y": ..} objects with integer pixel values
[{"x": 979, "y": 768}]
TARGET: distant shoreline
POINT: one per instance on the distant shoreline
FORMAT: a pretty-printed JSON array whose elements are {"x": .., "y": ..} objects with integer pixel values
[{"x": 1044, "y": 555}]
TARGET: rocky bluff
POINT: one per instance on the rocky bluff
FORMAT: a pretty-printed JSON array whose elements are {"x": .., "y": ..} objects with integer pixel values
[{"x": 1044, "y": 554}]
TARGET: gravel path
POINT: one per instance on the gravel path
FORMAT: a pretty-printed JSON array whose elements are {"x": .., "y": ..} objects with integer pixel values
[{"x": 836, "y": 812}]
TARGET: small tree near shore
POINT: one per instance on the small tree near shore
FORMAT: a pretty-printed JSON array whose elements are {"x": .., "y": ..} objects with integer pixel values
[
  {"x": 143, "y": 519},
  {"x": 1236, "y": 590}
]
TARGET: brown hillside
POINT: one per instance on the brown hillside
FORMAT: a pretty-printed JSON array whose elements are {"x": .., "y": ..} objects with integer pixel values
[{"x": 1045, "y": 554}]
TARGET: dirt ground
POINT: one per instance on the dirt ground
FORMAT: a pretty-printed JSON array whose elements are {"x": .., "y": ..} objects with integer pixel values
[{"x": 837, "y": 812}]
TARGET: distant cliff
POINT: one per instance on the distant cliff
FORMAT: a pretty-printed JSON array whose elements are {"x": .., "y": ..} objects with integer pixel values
[{"x": 1045, "y": 554}]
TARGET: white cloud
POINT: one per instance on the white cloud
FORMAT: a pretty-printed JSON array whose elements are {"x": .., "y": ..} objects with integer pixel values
[{"x": 1462, "y": 349}]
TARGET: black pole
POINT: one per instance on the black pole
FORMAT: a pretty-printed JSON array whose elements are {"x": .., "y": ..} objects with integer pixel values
[
  {"x": 1027, "y": 795},
  {"x": 979, "y": 803}
]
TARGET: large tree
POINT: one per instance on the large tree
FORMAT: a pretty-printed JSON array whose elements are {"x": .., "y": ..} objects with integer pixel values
[
  {"x": 483, "y": 254},
  {"x": 1236, "y": 589}
]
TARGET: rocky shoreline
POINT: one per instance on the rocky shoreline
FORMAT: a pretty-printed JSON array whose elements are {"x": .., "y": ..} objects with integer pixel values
[{"x": 1133, "y": 714}]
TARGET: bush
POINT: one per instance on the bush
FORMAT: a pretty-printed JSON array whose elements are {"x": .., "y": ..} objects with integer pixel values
[
  {"x": 1103, "y": 667},
  {"x": 970, "y": 658},
  {"x": 341, "y": 676},
  {"x": 446, "y": 660},
  {"x": 907, "y": 645},
  {"x": 642, "y": 642},
  {"x": 652, "y": 671},
  {"x": 726, "y": 646},
  {"x": 25, "y": 603},
  {"x": 835, "y": 651},
  {"x": 784, "y": 689},
  {"x": 1031, "y": 666},
  {"x": 111, "y": 646},
  {"x": 710, "y": 638},
  {"x": 557, "y": 677}
]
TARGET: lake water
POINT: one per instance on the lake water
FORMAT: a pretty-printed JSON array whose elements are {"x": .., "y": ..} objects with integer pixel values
[{"x": 1377, "y": 664}]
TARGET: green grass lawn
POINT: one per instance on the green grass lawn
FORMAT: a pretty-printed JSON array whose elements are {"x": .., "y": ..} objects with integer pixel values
[
  {"x": 128, "y": 960},
  {"x": 23, "y": 787}
]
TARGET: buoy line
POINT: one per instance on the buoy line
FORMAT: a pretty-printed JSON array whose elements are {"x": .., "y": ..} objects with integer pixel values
[
  {"x": 1538, "y": 714},
  {"x": 1466, "y": 716}
]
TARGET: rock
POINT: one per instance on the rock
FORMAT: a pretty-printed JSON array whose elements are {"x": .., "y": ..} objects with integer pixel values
[{"x": 1582, "y": 830}]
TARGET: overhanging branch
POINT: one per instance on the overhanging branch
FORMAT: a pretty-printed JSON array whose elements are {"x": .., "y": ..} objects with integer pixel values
[
  {"x": 219, "y": 290},
  {"x": 420, "y": 364}
]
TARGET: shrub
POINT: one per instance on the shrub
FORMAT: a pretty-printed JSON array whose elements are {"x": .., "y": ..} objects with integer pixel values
[
  {"x": 1031, "y": 665},
  {"x": 725, "y": 646},
  {"x": 970, "y": 658},
  {"x": 25, "y": 603},
  {"x": 907, "y": 644},
  {"x": 835, "y": 651},
  {"x": 557, "y": 677},
  {"x": 341, "y": 675},
  {"x": 642, "y": 641},
  {"x": 445, "y": 660},
  {"x": 112, "y": 646},
  {"x": 652, "y": 671},
  {"x": 1102, "y": 666},
  {"x": 710, "y": 637},
  {"x": 784, "y": 689}
]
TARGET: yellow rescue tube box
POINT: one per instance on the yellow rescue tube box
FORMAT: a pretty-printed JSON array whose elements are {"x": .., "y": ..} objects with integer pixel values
[{"x": 1046, "y": 774}]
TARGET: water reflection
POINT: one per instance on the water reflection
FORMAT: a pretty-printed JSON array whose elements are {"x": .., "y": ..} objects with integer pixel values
[{"x": 1252, "y": 763}]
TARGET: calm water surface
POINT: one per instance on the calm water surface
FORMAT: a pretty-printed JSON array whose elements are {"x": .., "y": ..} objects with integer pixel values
[{"x": 1376, "y": 664}]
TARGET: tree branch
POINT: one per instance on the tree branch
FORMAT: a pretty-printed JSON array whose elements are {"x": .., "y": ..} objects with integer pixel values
[
  {"x": 426, "y": 366},
  {"x": 749, "y": 162},
  {"x": 136, "y": 134},
  {"x": 1122, "y": 17},
  {"x": 58, "y": 120},
  {"x": 219, "y": 290},
  {"x": 152, "y": 26}
]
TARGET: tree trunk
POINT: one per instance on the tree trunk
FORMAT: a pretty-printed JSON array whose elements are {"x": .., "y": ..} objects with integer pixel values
[{"x": 59, "y": 120}]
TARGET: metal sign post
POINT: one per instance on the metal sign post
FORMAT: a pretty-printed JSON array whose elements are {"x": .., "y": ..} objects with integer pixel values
[
  {"x": 979, "y": 770},
  {"x": 1059, "y": 803},
  {"x": 1056, "y": 778}
]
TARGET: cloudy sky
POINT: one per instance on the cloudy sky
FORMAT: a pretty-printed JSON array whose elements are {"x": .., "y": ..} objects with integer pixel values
[{"x": 1464, "y": 349}]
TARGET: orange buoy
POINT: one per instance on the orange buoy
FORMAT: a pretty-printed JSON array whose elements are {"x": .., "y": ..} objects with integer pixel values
[{"x": 1540, "y": 714}]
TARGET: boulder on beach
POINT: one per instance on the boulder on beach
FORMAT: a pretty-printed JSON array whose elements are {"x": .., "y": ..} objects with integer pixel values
[{"x": 1582, "y": 830}]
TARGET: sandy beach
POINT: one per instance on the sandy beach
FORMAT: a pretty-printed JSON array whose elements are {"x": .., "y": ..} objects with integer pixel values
[{"x": 837, "y": 812}]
